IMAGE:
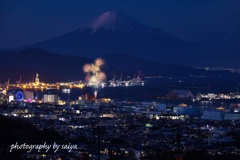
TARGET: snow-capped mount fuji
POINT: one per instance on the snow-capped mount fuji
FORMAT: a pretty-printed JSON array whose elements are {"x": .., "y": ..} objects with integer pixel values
[
  {"x": 111, "y": 21},
  {"x": 116, "y": 22},
  {"x": 112, "y": 33}
]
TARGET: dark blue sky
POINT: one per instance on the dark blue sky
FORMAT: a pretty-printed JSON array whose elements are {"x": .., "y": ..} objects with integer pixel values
[{"x": 29, "y": 21}]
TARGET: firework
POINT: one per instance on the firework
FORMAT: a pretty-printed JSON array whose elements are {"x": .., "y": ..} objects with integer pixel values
[
  {"x": 99, "y": 62},
  {"x": 94, "y": 69},
  {"x": 102, "y": 76},
  {"x": 95, "y": 76},
  {"x": 87, "y": 78},
  {"x": 86, "y": 68}
]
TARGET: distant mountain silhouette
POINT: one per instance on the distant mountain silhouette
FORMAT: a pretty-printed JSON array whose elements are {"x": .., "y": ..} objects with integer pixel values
[
  {"x": 13, "y": 74},
  {"x": 125, "y": 62},
  {"x": 54, "y": 67}
]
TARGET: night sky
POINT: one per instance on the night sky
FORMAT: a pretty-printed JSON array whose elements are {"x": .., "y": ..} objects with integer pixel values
[{"x": 29, "y": 21}]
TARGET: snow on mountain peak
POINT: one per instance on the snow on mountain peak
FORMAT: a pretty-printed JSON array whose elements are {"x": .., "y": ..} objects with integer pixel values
[
  {"x": 111, "y": 21},
  {"x": 115, "y": 22}
]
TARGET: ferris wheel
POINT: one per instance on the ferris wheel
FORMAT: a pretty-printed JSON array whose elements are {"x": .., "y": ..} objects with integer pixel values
[{"x": 19, "y": 96}]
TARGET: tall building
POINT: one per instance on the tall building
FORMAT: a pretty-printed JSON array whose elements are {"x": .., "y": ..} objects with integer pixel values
[
  {"x": 37, "y": 79},
  {"x": 10, "y": 98},
  {"x": 50, "y": 98}
]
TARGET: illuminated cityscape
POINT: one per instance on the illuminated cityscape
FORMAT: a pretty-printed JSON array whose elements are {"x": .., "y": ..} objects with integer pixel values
[
  {"x": 152, "y": 124},
  {"x": 79, "y": 84}
]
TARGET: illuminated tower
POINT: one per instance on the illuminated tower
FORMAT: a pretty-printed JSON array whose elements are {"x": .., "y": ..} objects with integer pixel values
[{"x": 37, "y": 79}]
